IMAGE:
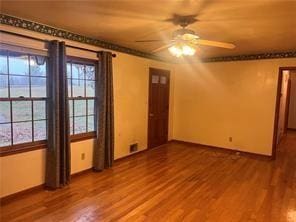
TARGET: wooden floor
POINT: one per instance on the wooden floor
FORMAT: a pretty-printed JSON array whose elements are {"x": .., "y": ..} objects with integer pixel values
[{"x": 175, "y": 182}]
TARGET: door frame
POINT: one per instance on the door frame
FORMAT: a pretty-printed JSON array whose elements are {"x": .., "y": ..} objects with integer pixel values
[
  {"x": 287, "y": 105},
  {"x": 277, "y": 109},
  {"x": 168, "y": 74}
]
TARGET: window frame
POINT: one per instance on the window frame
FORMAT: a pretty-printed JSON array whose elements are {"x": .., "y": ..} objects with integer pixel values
[
  {"x": 33, "y": 145},
  {"x": 42, "y": 144},
  {"x": 82, "y": 61}
]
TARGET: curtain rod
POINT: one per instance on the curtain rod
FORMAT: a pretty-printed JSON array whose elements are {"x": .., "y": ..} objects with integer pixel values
[{"x": 47, "y": 41}]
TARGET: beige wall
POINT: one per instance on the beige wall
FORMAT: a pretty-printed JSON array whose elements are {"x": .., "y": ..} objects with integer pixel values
[
  {"x": 77, "y": 149},
  {"x": 292, "y": 105},
  {"x": 21, "y": 171},
  {"x": 215, "y": 101}
]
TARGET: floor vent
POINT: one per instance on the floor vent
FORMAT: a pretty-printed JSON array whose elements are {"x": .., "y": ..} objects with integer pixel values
[{"x": 133, "y": 147}]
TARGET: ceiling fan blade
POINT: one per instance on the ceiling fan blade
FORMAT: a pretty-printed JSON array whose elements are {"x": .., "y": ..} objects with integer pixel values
[
  {"x": 150, "y": 40},
  {"x": 213, "y": 43},
  {"x": 163, "y": 47}
]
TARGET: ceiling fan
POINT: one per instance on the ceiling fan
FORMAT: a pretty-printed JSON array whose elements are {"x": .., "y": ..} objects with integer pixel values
[{"x": 185, "y": 41}]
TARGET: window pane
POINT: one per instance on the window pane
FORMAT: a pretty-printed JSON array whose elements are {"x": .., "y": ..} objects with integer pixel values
[
  {"x": 22, "y": 85},
  {"x": 69, "y": 70},
  {"x": 22, "y": 132},
  {"x": 71, "y": 126},
  {"x": 21, "y": 111},
  {"x": 4, "y": 86},
  {"x": 155, "y": 79},
  {"x": 5, "y": 135},
  {"x": 90, "y": 124},
  {"x": 18, "y": 64},
  {"x": 71, "y": 107},
  {"x": 69, "y": 88},
  {"x": 79, "y": 107},
  {"x": 4, "y": 112},
  {"x": 3, "y": 64},
  {"x": 77, "y": 71},
  {"x": 78, "y": 87},
  {"x": 90, "y": 88},
  {"x": 19, "y": 86},
  {"x": 91, "y": 107},
  {"x": 39, "y": 110},
  {"x": 90, "y": 72},
  {"x": 163, "y": 80},
  {"x": 38, "y": 65},
  {"x": 39, "y": 130},
  {"x": 80, "y": 124},
  {"x": 38, "y": 87},
  {"x": 82, "y": 79}
]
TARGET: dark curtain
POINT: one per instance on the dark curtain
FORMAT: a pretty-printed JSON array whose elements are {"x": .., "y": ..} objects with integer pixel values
[
  {"x": 104, "y": 143},
  {"x": 58, "y": 150}
]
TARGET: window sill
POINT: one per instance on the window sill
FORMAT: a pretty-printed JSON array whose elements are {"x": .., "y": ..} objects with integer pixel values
[
  {"x": 26, "y": 147},
  {"x": 21, "y": 148},
  {"x": 82, "y": 136}
]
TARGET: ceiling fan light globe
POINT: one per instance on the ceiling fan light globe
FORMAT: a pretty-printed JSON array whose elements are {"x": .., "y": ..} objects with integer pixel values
[
  {"x": 176, "y": 51},
  {"x": 188, "y": 50},
  {"x": 189, "y": 37}
]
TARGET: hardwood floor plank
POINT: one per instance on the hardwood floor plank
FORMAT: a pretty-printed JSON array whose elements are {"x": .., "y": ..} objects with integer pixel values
[{"x": 175, "y": 182}]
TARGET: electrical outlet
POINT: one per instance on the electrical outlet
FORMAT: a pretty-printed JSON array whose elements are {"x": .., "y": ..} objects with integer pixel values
[
  {"x": 230, "y": 139},
  {"x": 82, "y": 156}
]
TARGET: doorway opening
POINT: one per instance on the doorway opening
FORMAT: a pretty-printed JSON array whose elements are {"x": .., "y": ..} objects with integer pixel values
[
  {"x": 285, "y": 112},
  {"x": 158, "y": 113}
]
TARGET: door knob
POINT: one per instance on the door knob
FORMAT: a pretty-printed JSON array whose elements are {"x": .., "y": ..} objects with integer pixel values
[{"x": 151, "y": 114}]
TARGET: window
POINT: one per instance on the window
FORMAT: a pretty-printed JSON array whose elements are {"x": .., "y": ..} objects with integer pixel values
[
  {"x": 23, "y": 99},
  {"x": 81, "y": 92}
]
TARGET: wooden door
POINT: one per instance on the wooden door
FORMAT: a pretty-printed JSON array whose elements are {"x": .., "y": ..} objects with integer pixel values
[{"x": 158, "y": 113}]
